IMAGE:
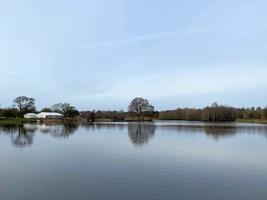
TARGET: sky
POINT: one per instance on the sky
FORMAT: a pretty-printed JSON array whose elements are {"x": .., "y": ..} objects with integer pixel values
[{"x": 99, "y": 54}]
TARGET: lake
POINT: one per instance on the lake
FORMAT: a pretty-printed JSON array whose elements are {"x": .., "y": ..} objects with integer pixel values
[{"x": 153, "y": 160}]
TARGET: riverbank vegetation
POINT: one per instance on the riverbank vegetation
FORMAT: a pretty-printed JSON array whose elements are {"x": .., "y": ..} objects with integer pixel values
[
  {"x": 252, "y": 121},
  {"x": 139, "y": 110},
  {"x": 216, "y": 113},
  {"x": 14, "y": 121},
  {"x": 22, "y": 105}
]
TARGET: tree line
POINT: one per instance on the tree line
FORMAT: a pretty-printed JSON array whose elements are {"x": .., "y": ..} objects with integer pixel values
[
  {"x": 213, "y": 113},
  {"x": 22, "y": 105},
  {"x": 139, "y": 109}
]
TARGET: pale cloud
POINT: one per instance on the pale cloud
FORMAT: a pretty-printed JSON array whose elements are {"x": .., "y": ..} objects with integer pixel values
[{"x": 183, "y": 84}]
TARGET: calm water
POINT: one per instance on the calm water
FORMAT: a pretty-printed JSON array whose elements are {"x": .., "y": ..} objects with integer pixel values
[{"x": 161, "y": 160}]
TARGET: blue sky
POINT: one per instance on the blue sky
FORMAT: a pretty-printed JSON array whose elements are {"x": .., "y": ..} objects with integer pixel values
[{"x": 99, "y": 54}]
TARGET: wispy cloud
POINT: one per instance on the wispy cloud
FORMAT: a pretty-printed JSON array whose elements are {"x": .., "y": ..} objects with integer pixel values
[
  {"x": 143, "y": 38},
  {"x": 7, "y": 76},
  {"x": 163, "y": 35},
  {"x": 184, "y": 84}
]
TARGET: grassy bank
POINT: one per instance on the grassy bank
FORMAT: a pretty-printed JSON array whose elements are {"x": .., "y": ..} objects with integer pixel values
[
  {"x": 253, "y": 121},
  {"x": 15, "y": 121},
  {"x": 21, "y": 121}
]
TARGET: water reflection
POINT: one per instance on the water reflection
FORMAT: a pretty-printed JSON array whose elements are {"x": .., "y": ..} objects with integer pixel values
[
  {"x": 8, "y": 129},
  {"x": 102, "y": 126},
  {"x": 59, "y": 131},
  {"x": 20, "y": 136},
  {"x": 137, "y": 161},
  {"x": 138, "y": 133},
  {"x": 218, "y": 132}
]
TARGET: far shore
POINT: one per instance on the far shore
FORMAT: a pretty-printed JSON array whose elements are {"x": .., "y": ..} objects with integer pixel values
[
  {"x": 21, "y": 121},
  {"x": 252, "y": 121}
]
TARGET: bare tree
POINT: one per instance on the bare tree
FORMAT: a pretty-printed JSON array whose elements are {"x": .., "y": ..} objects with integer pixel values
[
  {"x": 57, "y": 107},
  {"x": 24, "y": 104},
  {"x": 66, "y": 109},
  {"x": 139, "y": 106}
]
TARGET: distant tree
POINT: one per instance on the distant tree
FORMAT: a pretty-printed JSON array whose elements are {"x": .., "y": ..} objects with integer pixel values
[
  {"x": 46, "y": 110},
  {"x": 265, "y": 112},
  {"x": 57, "y": 107},
  {"x": 88, "y": 115},
  {"x": 66, "y": 109},
  {"x": 139, "y": 106},
  {"x": 10, "y": 112},
  {"x": 214, "y": 105},
  {"x": 24, "y": 104}
]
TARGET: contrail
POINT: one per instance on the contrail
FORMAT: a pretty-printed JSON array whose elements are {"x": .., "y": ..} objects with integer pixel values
[{"x": 142, "y": 38}]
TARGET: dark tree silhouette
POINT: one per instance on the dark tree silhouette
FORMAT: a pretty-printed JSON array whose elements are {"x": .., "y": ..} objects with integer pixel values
[
  {"x": 24, "y": 104},
  {"x": 265, "y": 113},
  {"x": 139, "y": 106},
  {"x": 66, "y": 109},
  {"x": 9, "y": 112}
]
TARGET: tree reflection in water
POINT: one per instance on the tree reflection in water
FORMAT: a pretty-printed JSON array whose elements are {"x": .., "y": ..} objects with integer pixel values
[
  {"x": 140, "y": 133},
  {"x": 8, "y": 129},
  {"x": 22, "y": 138},
  {"x": 222, "y": 132},
  {"x": 219, "y": 131}
]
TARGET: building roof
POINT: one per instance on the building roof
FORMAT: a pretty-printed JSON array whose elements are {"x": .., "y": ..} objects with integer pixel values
[
  {"x": 45, "y": 114},
  {"x": 30, "y": 115}
]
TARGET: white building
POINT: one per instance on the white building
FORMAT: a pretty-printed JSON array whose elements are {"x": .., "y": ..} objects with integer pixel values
[
  {"x": 30, "y": 116},
  {"x": 49, "y": 115}
]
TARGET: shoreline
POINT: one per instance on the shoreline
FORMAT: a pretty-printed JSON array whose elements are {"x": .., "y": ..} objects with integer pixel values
[
  {"x": 21, "y": 121},
  {"x": 252, "y": 121}
]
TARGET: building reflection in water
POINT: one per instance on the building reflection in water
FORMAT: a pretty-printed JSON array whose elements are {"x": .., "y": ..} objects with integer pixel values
[
  {"x": 59, "y": 131},
  {"x": 23, "y": 136}
]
